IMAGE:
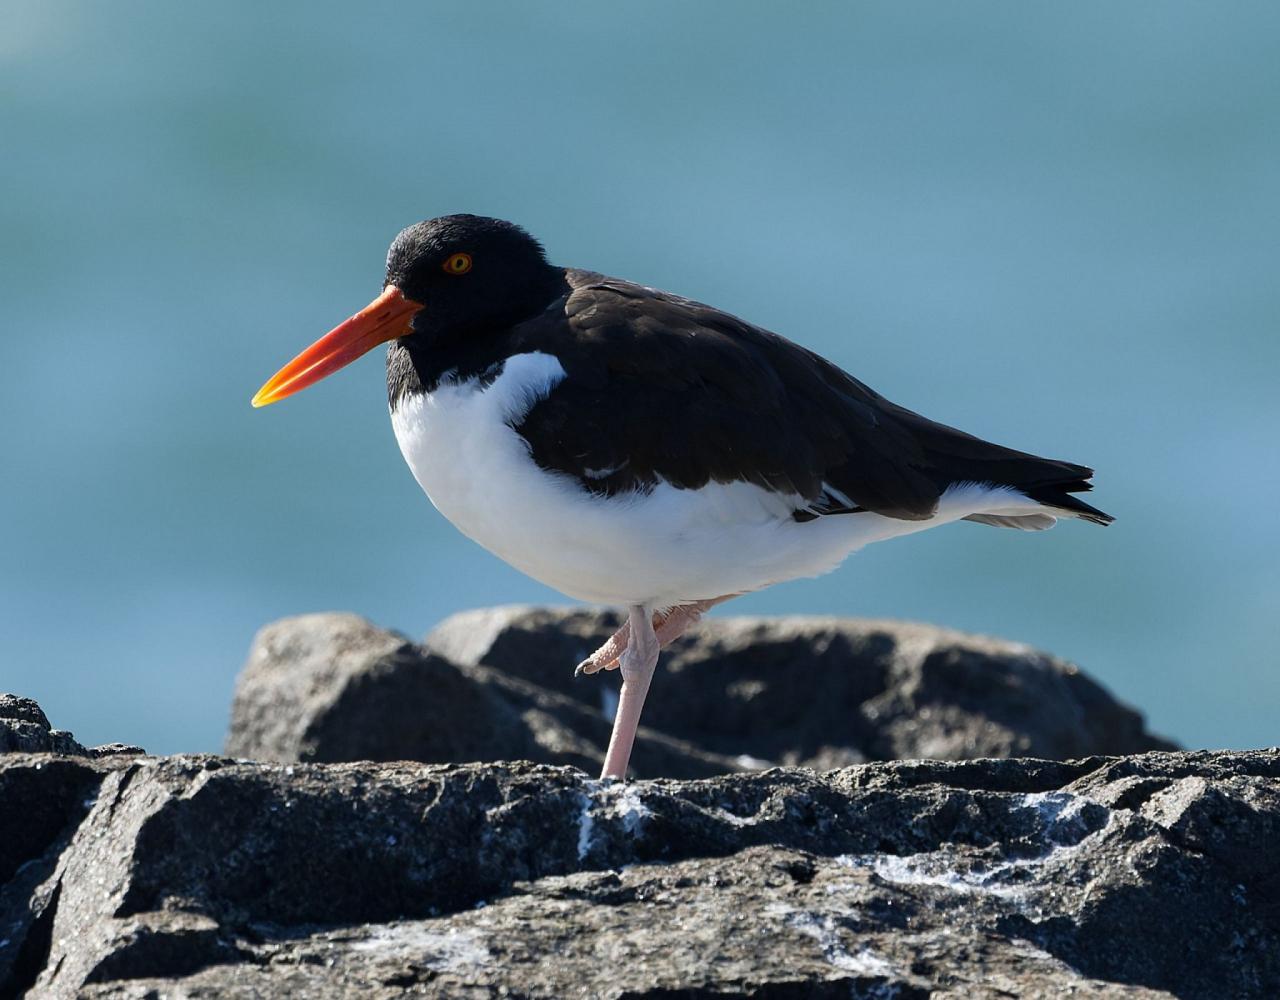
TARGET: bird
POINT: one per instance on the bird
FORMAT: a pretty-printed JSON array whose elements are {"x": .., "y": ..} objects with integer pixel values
[{"x": 631, "y": 447}]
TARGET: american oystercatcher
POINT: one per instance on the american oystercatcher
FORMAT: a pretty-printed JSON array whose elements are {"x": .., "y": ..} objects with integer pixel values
[{"x": 634, "y": 448}]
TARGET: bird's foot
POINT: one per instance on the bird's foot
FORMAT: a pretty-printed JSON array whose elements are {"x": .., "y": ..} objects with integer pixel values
[
  {"x": 606, "y": 657},
  {"x": 669, "y": 624}
]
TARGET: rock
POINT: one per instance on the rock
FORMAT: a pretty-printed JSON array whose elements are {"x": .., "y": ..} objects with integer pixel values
[
  {"x": 736, "y": 693},
  {"x": 24, "y": 728},
  {"x": 821, "y": 691},
  {"x": 43, "y": 799},
  {"x": 333, "y": 687},
  {"x": 1146, "y": 876},
  {"x": 40, "y": 808}
]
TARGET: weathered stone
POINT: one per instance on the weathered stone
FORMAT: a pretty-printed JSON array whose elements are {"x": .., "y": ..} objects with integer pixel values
[
  {"x": 24, "y": 728},
  {"x": 735, "y": 693},
  {"x": 821, "y": 691},
  {"x": 42, "y": 801},
  {"x": 203, "y": 877},
  {"x": 333, "y": 687}
]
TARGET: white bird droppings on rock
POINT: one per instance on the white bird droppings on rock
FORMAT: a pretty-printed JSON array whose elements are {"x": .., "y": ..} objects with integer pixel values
[
  {"x": 585, "y": 826},
  {"x": 447, "y": 951},
  {"x": 824, "y": 929},
  {"x": 1065, "y": 832},
  {"x": 612, "y": 801}
]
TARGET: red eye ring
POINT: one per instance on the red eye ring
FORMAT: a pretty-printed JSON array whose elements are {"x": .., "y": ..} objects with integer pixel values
[{"x": 457, "y": 263}]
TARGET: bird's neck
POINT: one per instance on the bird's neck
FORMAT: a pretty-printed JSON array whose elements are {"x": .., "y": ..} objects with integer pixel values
[{"x": 419, "y": 363}]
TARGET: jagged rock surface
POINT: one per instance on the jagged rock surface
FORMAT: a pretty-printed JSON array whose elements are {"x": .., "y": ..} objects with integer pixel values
[
  {"x": 1152, "y": 875},
  {"x": 24, "y": 728}
]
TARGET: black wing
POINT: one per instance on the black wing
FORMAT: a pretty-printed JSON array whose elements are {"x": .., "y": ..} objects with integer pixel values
[{"x": 663, "y": 388}]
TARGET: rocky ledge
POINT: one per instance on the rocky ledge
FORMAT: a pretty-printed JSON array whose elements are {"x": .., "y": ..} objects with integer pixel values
[
  {"x": 197, "y": 876},
  {"x": 315, "y": 861},
  {"x": 733, "y": 694}
]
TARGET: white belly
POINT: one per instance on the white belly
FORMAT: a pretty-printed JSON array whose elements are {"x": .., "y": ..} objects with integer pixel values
[{"x": 666, "y": 547}]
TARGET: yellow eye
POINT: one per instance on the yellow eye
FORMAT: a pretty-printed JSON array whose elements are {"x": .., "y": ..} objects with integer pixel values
[{"x": 458, "y": 263}]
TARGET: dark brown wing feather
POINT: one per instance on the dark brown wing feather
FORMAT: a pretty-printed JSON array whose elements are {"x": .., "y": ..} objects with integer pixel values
[{"x": 663, "y": 388}]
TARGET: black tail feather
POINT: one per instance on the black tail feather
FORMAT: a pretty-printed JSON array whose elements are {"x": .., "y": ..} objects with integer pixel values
[
  {"x": 1059, "y": 496},
  {"x": 948, "y": 457},
  {"x": 961, "y": 457}
]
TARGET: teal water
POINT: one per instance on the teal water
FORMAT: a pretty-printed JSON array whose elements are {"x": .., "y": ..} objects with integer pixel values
[{"x": 1054, "y": 226}]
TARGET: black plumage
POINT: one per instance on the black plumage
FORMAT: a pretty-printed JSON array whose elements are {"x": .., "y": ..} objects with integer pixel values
[{"x": 662, "y": 388}]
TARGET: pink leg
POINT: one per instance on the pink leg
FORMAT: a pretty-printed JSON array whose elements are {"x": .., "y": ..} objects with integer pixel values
[{"x": 637, "y": 664}]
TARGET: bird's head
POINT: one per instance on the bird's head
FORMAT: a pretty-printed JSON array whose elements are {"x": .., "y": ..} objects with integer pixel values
[{"x": 454, "y": 276}]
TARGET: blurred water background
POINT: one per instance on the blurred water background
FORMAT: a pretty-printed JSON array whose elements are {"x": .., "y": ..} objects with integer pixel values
[{"x": 1051, "y": 225}]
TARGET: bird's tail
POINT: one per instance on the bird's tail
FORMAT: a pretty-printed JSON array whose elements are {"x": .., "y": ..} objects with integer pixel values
[
  {"x": 1060, "y": 496},
  {"x": 1048, "y": 481}
]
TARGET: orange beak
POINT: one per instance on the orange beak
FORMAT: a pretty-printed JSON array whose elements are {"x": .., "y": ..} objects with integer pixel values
[{"x": 385, "y": 318}]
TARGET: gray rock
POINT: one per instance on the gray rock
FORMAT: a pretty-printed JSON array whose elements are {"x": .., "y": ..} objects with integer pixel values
[
  {"x": 1145, "y": 876},
  {"x": 821, "y": 691},
  {"x": 43, "y": 799},
  {"x": 333, "y": 687},
  {"x": 735, "y": 693},
  {"x": 24, "y": 728}
]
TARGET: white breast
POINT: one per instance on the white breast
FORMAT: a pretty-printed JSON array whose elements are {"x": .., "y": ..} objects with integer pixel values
[{"x": 664, "y": 547}]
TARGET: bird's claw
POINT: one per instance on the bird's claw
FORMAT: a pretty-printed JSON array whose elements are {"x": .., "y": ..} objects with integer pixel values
[{"x": 589, "y": 666}]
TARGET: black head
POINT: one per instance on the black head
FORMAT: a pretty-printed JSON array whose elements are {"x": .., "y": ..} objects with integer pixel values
[
  {"x": 449, "y": 281},
  {"x": 470, "y": 274}
]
